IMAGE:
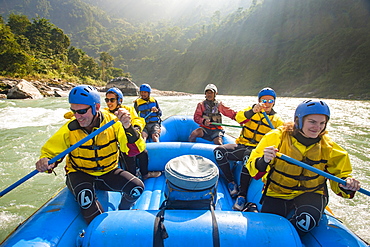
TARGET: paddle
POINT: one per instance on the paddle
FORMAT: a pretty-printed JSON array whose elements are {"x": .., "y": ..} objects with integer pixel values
[
  {"x": 220, "y": 124},
  {"x": 313, "y": 169},
  {"x": 59, "y": 156},
  {"x": 267, "y": 119},
  {"x": 148, "y": 115}
]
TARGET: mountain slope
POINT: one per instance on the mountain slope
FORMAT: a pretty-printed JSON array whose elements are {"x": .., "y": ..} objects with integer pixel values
[
  {"x": 315, "y": 48},
  {"x": 305, "y": 48}
]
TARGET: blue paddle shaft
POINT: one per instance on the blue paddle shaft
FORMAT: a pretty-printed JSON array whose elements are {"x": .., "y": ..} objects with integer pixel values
[
  {"x": 148, "y": 115},
  {"x": 82, "y": 141},
  {"x": 59, "y": 156},
  {"x": 320, "y": 172},
  {"x": 268, "y": 120}
]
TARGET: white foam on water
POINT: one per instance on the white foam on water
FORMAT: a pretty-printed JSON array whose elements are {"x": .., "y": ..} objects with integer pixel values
[
  {"x": 6, "y": 218},
  {"x": 15, "y": 117}
]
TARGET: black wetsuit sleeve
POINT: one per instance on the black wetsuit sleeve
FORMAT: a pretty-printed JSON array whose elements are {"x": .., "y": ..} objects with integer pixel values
[
  {"x": 249, "y": 114},
  {"x": 136, "y": 107},
  {"x": 137, "y": 127},
  {"x": 261, "y": 165},
  {"x": 131, "y": 134},
  {"x": 159, "y": 109}
]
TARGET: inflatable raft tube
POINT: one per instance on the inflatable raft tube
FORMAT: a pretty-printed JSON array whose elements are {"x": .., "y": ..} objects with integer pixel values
[
  {"x": 179, "y": 128},
  {"x": 189, "y": 228}
]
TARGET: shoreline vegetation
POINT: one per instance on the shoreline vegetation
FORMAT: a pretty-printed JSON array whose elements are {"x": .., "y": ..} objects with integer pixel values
[
  {"x": 15, "y": 88},
  {"x": 11, "y": 88}
]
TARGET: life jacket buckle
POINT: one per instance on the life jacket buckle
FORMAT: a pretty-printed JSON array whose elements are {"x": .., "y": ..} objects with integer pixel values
[{"x": 94, "y": 147}]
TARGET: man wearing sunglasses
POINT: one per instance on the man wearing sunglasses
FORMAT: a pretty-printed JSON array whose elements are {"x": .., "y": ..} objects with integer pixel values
[
  {"x": 114, "y": 99},
  {"x": 94, "y": 164},
  {"x": 255, "y": 126}
]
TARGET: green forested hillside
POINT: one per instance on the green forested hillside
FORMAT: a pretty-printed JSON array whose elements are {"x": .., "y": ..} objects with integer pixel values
[
  {"x": 178, "y": 12},
  {"x": 38, "y": 49},
  {"x": 316, "y": 48},
  {"x": 300, "y": 48},
  {"x": 87, "y": 26}
]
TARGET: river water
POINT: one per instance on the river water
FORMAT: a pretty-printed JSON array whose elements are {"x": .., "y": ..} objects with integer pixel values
[{"x": 26, "y": 124}]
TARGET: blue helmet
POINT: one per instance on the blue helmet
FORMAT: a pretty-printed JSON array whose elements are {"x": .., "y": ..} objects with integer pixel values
[
  {"x": 146, "y": 88},
  {"x": 117, "y": 92},
  {"x": 85, "y": 94},
  {"x": 309, "y": 107},
  {"x": 267, "y": 91}
]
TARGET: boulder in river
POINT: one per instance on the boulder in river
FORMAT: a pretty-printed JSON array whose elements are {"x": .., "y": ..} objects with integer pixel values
[
  {"x": 24, "y": 90},
  {"x": 127, "y": 86}
]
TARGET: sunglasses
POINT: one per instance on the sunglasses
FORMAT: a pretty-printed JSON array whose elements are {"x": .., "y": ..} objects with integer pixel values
[
  {"x": 267, "y": 101},
  {"x": 110, "y": 99},
  {"x": 81, "y": 112}
]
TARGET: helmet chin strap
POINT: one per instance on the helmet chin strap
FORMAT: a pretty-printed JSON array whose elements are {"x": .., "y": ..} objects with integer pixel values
[
  {"x": 303, "y": 134},
  {"x": 115, "y": 109}
]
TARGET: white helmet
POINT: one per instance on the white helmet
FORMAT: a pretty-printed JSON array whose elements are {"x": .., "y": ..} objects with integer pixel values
[{"x": 211, "y": 87}]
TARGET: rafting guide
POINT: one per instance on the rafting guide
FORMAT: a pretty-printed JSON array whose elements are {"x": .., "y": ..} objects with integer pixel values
[
  {"x": 207, "y": 112},
  {"x": 93, "y": 165}
]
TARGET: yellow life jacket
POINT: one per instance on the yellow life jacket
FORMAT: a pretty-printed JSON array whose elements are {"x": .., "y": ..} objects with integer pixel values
[
  {"x": 255, "y": 128},
  {"x": 97, "y": 156},
  {"x": 285, "y": 178}
]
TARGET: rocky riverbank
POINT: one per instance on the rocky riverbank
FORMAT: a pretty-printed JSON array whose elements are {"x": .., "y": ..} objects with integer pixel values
[{"x": 23, "y": 89}]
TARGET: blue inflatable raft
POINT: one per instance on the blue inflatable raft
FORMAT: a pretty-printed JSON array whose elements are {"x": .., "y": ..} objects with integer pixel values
[{"x": 59, "y": 222}]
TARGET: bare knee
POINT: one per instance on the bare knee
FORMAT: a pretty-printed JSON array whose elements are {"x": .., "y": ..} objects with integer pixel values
[
  {"x": 155, "y": 137},
  {"x": 196, "y": 133},
  {"x": 217, "y": 141}
]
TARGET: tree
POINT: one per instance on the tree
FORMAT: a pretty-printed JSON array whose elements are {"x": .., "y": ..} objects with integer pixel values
[
  {"x": 18, "y": 24},
  {"x": 216, "y": 19},
  {"x": 39, "y": 35},
  {"x": 75, "y": 55},
  {"x": 106, "y": 62},
  {"x": 89, "y": 68},
  {"x": 13, "y": 59},
  {"x": 106, "y": 58},
  {"x": 116, "y": 72},
  {"x": 59, "y": 42},
  {"x": 17, "y": 63}
]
